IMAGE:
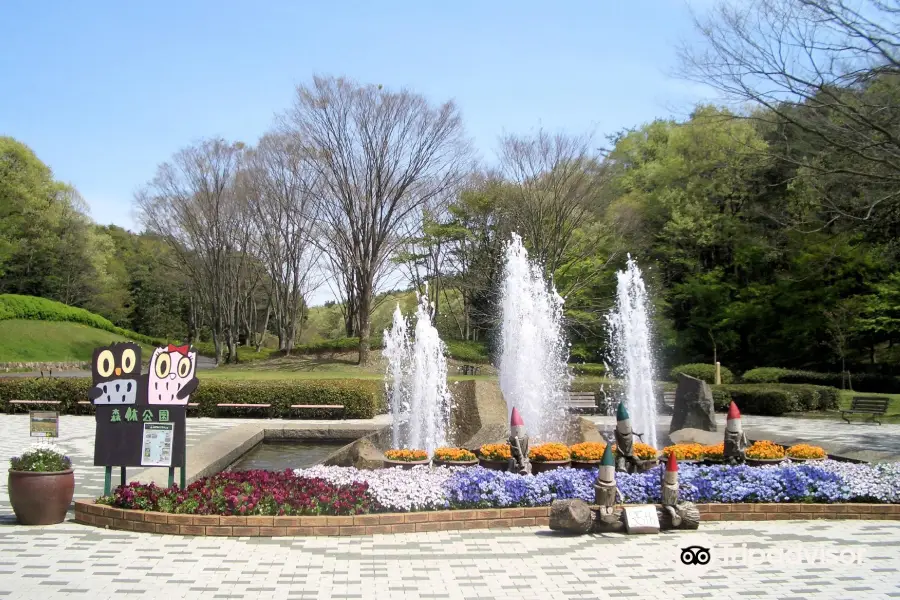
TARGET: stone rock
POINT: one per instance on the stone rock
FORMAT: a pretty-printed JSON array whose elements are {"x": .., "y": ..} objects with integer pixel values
[
  {"x": 573, "y": 516},
  {"x": 689, "y": 435},
  {"x": 693, "y": 405},
  {"x": 365, "y": 455}
]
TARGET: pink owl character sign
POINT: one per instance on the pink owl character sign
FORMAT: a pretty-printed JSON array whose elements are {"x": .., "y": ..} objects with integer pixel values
[{"x": 171, "y": 378}]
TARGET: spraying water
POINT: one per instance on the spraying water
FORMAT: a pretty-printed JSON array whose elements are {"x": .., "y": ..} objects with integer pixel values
[
  {"x": 534, "y": 375},
  {"x": 417, "y": 382},
  {"x": 629, "y": 326}
]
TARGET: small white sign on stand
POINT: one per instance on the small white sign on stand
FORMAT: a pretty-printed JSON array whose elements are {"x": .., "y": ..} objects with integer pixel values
[
  {"x": 641, "y": 519},
  {"x": 156, "y": 449}
]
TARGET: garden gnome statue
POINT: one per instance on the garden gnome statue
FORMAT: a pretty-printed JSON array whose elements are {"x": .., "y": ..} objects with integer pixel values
[
  {"x": 625, "y": 459},
  {"x": 518, "y": 445},
  {"x": 670, "y": 489},
  {"x": 735, "y": 440},
  {"x": 605, "y": 485}
]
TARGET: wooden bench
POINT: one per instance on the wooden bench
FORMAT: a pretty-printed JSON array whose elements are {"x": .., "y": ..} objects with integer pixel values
[
  {"x": 582, "y": 402},
  {"x": 55, "y": 403},
  {"x": 866, "y": 405}
]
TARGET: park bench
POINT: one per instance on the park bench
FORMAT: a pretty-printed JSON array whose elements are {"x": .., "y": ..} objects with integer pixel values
[
  {"x": 582, "y": 402},
  {"x": 866, "y": 405},
  {"x": 468, "y": 369},
  {"x": 55, "y": 403}
]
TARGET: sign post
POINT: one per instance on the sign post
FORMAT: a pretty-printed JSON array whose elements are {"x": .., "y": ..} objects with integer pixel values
[{"x": 44, "y": 423}]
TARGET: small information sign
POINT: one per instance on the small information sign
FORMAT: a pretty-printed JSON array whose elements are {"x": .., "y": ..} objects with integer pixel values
[
  {"x": 44, "y": 423},
  {"x": 156, "y": 450},
  {"x": 641, "y": 519}
]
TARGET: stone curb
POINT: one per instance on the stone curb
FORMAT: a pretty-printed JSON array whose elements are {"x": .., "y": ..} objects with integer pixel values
[{"x": 90, "y": 513}]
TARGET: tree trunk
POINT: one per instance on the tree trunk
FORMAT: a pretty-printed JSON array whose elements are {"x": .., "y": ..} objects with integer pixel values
[{"x": 365, "y": 325}]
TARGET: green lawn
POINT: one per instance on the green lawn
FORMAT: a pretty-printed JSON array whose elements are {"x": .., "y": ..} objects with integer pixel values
[{"x": 51, "y": 341}]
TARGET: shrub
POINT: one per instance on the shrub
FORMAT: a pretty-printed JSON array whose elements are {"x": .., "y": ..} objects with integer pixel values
[
  {"x": 775, "y": 399},
  {"x": 362, "y": 399},
  {"x": 245, "y": 354},
  {"x": 468, "y": 351},
  {"x": 862, "y": 382},
  {"x": 345, "y": 344},
  {"x": 702, "y": 371},
  {"x": 14, "y": 306},
  {"x": 589, "y": 369}
]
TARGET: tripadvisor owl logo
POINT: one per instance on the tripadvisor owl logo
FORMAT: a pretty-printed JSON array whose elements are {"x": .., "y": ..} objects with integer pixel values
[{"x": 695, "y": 555}]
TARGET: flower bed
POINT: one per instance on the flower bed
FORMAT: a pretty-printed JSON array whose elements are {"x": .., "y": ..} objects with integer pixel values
[
  {"x": 806, "y": 452},
  {"x": 765, "y": 450},
  {"x": 587, "y": 451},
  {"x": 495, "y": 452},
  {"x": 549, "y": 452},
  {"x": 454, "y": 455},
  {"x": 684, "y": 451},
  {"x": 404, "y": 455},
  {"x": 344, "y": 491}
]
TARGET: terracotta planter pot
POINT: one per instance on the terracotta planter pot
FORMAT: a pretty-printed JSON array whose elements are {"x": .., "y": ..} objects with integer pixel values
[
  {"x": 493, "y": 465},
  {"x": 388, "y": 463},
  {"x": 540, "y": 466},
  {"x": 585, "y": 465},
  {"x": 41, "y": 498},
  {"x": 762, "y": 462},
  {"x": 455, "y": 463}
]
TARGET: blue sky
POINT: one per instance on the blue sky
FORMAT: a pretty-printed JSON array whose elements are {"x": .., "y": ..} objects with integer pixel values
[{"x": 105, "y": 91}]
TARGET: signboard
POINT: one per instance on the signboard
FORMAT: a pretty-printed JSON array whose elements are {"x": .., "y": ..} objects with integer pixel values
[
  {"x": 121, "y": 429},
  {"x": 641, "y": 519},
  {"x": 44, "y": 423},
  {"x": 156, "y": 449}
]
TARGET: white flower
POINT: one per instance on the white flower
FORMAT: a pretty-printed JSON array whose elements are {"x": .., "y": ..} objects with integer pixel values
[{"x": 43, "y": 445}]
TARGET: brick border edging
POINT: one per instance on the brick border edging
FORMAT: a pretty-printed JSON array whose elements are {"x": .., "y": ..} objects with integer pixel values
[{"x": 90, "y": 513}]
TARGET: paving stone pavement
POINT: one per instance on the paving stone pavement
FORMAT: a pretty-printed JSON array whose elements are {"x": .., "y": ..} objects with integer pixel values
[{"x": 72, "y": 560}]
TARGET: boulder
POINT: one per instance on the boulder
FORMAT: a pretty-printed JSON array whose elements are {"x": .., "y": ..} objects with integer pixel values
[
  {"x": 693, "y": 405},
  {"x": 573, "y": 516},
  {"x": 690, "y": 435}
]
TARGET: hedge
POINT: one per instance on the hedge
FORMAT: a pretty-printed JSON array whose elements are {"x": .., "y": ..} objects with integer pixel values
[
  {"x": 14, "y": 306},
  {"x": 362, "y": 399},
  {"x": 776, "y": 399},
  {"x": 589, "y": 369},
  {"x": 702, "y": 371},
  {"x": 862, "y": 382}
]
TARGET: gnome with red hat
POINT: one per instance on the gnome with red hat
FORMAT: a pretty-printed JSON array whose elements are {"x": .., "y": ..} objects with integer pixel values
[
  {"x": 669, "y": 493},
  {"x": 735, "y": 441},
  {"x": 518, "y": 445}
]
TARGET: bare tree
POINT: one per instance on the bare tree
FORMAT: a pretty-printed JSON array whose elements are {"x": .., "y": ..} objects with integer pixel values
[
  {"x": 380, "y": 155},
  {"x": 556, "y": 191},
  {"x": 193, "y": 204},
  {"x": 825, "y": 74},
  {"x": 285, "y": 212}
]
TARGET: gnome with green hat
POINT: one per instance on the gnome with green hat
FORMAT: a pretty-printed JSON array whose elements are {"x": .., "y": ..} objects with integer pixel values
[
  {"x": 605, "y": 485},
  {"x": 625, "y": 459}
]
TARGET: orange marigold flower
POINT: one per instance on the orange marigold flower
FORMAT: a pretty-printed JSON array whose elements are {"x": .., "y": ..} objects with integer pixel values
[
  {"x": 550, "y": 451},
  {"x": 714, "y": 451},
  {"x": 645, "y": 451},
  {"x": 453, "y": 454},
  {"x": 405, "y": 455},
  {"x": 806, "y": 451},
  {"x": 587, "y": 451},
  {"x": 764, "y": 449},
  {"x": 495, "y": 452},
  {"x": 685, "y": 451}
]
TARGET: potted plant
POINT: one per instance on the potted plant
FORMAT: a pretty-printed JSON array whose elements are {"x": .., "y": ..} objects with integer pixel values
[
  {"x": 805, "y": 452},
  {"x": 454, "y": 457},
  {"x": 685, "y": 453},
  {"x": 494, "y": 456},
  {"x": 764, "y": 452},
  {"x": 549, "y": 456},
  {"x": 587, "y": 455},
  {"x": 714, "y": 454},
  {"x": 41, "y": 485},
  {"x": 405, "y": 458}
]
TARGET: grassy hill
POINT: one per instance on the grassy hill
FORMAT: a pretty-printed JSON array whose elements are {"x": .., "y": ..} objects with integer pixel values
[
  {"x": 49, "y": 341},
  {"x": 40, "y": 330}
]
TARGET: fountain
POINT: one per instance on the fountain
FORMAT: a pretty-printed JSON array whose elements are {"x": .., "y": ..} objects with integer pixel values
[
  {"x": 419, "y": 399},
  {"x": 534, "y": 375},
  {"x": 629, "y": 326}
]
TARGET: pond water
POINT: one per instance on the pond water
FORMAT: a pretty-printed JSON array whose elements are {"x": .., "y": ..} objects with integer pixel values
[{"x": 278, "y": 456}]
